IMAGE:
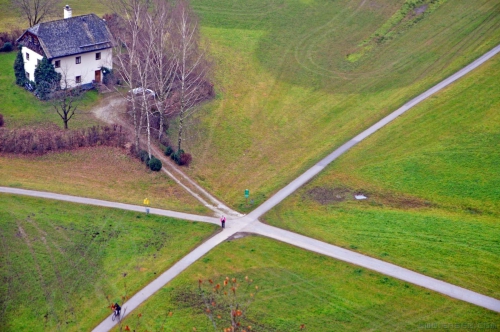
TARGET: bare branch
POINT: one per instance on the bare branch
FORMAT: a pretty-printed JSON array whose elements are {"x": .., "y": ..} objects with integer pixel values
[{"x": 36, "y": 11}]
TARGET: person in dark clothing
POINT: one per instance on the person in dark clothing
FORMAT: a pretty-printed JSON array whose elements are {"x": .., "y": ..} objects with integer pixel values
[
  {"x": 117, "y": 309},
  {"x": 223, "y": 221}
]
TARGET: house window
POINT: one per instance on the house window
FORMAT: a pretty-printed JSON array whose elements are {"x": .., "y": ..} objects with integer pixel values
[
  {"x": 57, "y": 64},
  {"x": 78, "y": 59},
  {"x": 27, "y": 75},
  {"x": 78, "y": 79},
  {"x": 98, "y": 56},
  {"x": 27, "y": 56}
]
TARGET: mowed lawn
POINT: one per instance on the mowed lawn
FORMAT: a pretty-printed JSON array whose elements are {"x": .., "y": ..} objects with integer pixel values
[
  {"x": 61, "y": 263},
  {"x": 101, "y": 172},
  {"x": 299, "y": 287},
  {"x": 432, "y": 179},
  {"x": 288, "y": 91}
]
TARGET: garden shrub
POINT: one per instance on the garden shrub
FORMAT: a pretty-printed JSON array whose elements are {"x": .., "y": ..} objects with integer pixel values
[
  {"x": 144, "y": 156},
  {"x": 154, "y": 164},
  {"x": 185, "y": 159},
  {"x": 46, "y": 79},
  {"x": 19, "y": 71},
  {"x": 169, "y": 151},
  {"x": 7, "y": 47},
  {"x": 176, "y": 156}
]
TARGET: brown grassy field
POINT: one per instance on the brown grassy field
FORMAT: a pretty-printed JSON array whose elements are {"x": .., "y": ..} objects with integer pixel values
[{"x": 103, "y": 173}]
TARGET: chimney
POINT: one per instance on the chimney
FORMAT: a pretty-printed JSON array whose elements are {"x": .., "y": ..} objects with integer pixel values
[{"x": 67, "y": 11}]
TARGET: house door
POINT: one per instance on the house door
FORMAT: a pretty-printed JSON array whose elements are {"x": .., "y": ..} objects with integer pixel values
[{"x": 98, "y": 76}]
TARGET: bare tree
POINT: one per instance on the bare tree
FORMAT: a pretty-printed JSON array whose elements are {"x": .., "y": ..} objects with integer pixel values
[
  {"x": 158, "y": 50},
  {"x": 126, "y": 55},
  {"x": 36, "y": 11},
  {"x": 65, "y": 99},
  {"x": 164, "y": 62},
  {"x": 192, "y": 67}
]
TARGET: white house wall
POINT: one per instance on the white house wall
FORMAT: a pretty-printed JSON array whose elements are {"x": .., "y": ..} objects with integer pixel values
[
  {"x": 69, "y": 69},
  {"x": 30, "y": 65}
]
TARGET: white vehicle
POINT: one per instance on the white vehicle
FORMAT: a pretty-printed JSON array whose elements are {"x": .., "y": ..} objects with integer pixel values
[{"x": 140, "y": 91}]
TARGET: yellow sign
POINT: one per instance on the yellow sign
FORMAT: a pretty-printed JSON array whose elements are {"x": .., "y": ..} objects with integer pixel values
[{"x": 146, "y": 201}]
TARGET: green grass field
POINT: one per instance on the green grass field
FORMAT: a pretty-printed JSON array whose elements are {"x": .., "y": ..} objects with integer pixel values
[
  {"x": 432, "y": 179},
  {"x": 288, "y": 92},
  {"x": 100, "y": 172},
  {"x": 324, "y": 294},
  {"x": 59, "y": 261}
]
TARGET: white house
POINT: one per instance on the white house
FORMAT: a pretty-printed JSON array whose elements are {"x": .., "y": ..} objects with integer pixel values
[{"x": 78, "y": 47}]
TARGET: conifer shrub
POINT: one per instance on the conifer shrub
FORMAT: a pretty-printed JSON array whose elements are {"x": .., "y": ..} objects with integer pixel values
[
  {"x": 46, "y": 79},
  {"x": 169, "y": 151},
  {"x": 19, "y": 71},
  {"x": 154, "y": 164}
]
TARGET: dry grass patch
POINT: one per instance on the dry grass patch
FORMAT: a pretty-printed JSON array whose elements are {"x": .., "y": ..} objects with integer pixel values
[{"x": 103, "y": 173}]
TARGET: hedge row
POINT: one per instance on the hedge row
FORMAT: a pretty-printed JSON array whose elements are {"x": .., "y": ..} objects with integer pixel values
[{"x": 40, "y": 141}]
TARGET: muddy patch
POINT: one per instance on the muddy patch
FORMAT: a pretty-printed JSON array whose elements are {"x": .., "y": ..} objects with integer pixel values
[
  {"x": 238, "y": 235},
  {"x": 331, "y": 196},
  {"x": 420, "y": 10},
  {"x": 326, "y": 196},
  {"x": 404, "y": 202}
]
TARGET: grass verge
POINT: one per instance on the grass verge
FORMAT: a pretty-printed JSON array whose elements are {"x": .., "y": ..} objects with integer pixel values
[
  {"x": 60, "y": 261},
  {"x": 299, "y": 287}
]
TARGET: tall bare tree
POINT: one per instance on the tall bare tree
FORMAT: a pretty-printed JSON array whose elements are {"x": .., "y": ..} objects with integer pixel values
[
  {"x": 193, "y": 66},
  {"x": 126, "y": 55},
  {"x": 164, "y": 62},
  {"x": 37, "y": 11}
]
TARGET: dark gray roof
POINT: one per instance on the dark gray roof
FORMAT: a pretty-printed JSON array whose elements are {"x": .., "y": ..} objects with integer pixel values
[{"x": 73, "y": 35}]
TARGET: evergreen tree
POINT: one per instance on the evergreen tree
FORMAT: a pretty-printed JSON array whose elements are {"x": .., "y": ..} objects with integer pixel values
[
  {"x": 46, "y": 79},
  {"x": 19, "y": 69}
]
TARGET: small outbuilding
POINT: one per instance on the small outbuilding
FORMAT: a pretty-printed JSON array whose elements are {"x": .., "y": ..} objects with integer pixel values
[{"x": 78, "y": 47}]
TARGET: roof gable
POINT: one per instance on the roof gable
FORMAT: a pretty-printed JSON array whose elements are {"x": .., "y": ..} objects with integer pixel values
[{"x": 73, "y": 35}]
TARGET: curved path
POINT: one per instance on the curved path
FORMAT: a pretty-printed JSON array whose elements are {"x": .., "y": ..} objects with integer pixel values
[{"x": 250, "y": 223}]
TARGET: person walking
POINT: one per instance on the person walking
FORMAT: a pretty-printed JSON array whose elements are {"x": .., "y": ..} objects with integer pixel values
[{"x": 223, "y": 221}]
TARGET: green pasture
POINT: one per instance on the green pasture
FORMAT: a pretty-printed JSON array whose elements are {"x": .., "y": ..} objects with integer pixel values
[
  {"x": 299, "y": 287},
  {"x": 62, "y": 263},
  {"x": 288, "y": 91},
  {"x": 432, "y": 179}
]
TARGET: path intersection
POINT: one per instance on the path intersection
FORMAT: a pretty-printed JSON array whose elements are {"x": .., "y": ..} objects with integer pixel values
[{"x": 250, "y": 224}]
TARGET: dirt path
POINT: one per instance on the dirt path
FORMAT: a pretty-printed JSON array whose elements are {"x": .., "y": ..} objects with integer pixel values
[{"x": 112, "y": 111}]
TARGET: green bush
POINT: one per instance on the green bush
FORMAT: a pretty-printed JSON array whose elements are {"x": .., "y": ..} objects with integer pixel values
[
  {"x": 176, "y": 156},
  {"x": 169, "y": 151},
  {"x": 144, "y": 156},
  {"x": 7, "y": 47},
  {"x": 154, "y": 164},
  {"x": 46, "y": 79},
  {"x": 19, "y": 69}
]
